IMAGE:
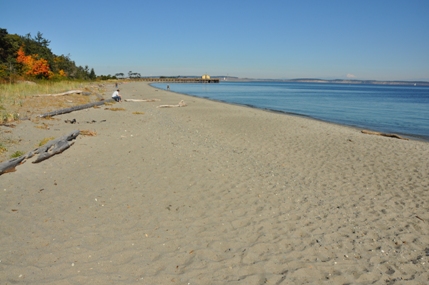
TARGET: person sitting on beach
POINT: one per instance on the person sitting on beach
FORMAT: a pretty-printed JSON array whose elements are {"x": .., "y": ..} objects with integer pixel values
[{"x": 116, "y": 96}]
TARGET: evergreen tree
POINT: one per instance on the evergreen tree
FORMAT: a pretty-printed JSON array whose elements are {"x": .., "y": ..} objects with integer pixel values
[{"x": 92, "y": 75}]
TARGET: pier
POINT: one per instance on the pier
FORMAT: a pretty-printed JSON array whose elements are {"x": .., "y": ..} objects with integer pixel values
[{"x": 178, "y": 80}]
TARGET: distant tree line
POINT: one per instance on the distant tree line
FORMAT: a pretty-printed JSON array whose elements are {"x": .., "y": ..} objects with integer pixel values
[
  {"x": 27, "y": 57},
  {"x": 133, "y": 74}
]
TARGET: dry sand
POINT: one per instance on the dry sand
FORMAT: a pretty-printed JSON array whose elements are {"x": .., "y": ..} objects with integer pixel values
[{"x": 213, "y": 193}]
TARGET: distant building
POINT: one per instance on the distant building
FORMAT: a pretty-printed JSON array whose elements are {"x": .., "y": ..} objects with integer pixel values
[{"x": 205, "y": 76}]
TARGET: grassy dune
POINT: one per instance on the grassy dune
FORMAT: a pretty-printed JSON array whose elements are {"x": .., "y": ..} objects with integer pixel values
[{"x": 19, "y": 100}]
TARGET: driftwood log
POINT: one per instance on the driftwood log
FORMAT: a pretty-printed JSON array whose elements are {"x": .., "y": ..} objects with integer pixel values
[
  {"x": 46, "y": 151},
  {"x": 181, "y": 104},
  {"x": 142, "y": 100},
  {"x": 75, "y": 108},
  {"x": 61, "y": 94},
  {"x": 383, "y": 134},
  {"x": 9, "y": 166},
  {"x": 54, "y": 147}
]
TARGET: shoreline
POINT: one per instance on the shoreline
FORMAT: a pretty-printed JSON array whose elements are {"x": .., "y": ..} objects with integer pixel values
[
  {"x": 416, "y": 137},
  {"x": 213, "y": 193}
]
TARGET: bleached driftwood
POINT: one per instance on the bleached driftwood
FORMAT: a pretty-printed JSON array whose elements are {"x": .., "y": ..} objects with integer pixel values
[
  {"x": 60, "y": 94},
  {"x": 142, "y": 100},
  {"x": 46, "y": 151},
  {"x": 383, "y": 134},
  {"x": 9, "y": 166},
  {"x": 75, "y": 108},
  {"x": 181, "y": 104},
  {"x": 55, "y": 146}
]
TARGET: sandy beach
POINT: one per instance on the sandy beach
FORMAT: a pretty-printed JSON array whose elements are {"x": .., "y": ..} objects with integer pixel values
[{"x": 212, "y": 193}]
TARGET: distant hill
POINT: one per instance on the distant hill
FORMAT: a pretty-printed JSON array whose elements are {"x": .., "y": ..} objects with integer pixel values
[
  {"x": 354, "y": 81},
  {"x": 332, "y": 81},
  {"x": 306, "y": 80}
]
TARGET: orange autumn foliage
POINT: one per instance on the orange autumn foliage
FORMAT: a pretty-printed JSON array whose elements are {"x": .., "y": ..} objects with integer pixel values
[
  {"x": 34, "y": 66},
  {"x": 62, "y": 73}
]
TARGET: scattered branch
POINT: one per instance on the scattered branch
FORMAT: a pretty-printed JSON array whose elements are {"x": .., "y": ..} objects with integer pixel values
[
  {"x": 60, "y": 94},
  {"x": 181, "y": 104},
  {"x": 383, "y": 134},
  {"x": 142, "y": 100}
]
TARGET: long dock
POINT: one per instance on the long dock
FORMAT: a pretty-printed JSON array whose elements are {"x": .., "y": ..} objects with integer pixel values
[{"x": 177, "y": 80}]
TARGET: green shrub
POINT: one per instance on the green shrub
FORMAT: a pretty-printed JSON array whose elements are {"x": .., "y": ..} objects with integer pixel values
[{"x": 17, "y": 153}]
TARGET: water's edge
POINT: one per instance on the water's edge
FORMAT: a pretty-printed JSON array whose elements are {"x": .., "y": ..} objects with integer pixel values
[{"x": 358, "y": 128}]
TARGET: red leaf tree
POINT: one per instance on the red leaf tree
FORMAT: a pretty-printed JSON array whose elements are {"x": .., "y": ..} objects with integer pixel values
[{"x": 33, "y": 65}]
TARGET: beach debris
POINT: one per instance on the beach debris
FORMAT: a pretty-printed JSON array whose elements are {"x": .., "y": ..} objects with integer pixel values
[
  {"x": 88, "y": 133},
  {"x": 61, "y": 94},
  {"x": 420, "y": 218},
  {"x": 75, "y": 108},
  {"x": 142, "y": 100},
  {"x": 43, "y": 126},
  {"x": 10, "y": 165},
  {"x": 383, "y": 134},
  {"x": 46, "y": 151},
  {"x": 115, "y": 109},
  {"x": 181, "y": 104},
  {"x": 8, "y": 125},
  {"x": 70, "y": 121},
  {"x": 54, "y": 147},
  {"x": 50, "y": 118}
]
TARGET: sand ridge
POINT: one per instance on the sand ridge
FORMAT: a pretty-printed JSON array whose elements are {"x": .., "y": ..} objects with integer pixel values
[{"x": 213, "y": 193}]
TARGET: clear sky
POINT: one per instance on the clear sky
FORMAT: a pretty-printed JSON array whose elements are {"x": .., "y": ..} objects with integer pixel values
[{"x": 366, "y": 39}]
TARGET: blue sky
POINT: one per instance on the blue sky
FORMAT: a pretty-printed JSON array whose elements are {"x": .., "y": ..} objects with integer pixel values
[{"x": 366, "y": 39}]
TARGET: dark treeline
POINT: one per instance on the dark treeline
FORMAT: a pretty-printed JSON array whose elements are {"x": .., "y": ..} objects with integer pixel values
[{"x": 27, "y": 57}]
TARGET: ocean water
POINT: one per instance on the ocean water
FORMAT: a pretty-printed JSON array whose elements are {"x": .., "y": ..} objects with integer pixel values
[{"x": 402, "y": 110}]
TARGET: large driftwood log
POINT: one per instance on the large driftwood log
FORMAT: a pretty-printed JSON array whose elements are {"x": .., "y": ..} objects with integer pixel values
[
  {"x": 75, "y": 108},
  {"x": 60, "y": 94},
  {"x": 55, "y": 146},
  {"x": 383, "y": 134},
  {"x": 46, "y": 151},
  {"x": 10, "y": 165},
  {"x": 181, "y": 104},
  {"x": 142, "y": 100}
]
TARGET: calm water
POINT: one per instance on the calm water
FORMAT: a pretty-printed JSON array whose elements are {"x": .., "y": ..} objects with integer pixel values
[{"x": 393, "y": 109}]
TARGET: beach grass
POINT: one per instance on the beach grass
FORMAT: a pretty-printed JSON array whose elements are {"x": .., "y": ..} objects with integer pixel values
[
  {"x": 16, "y": 154},
  {"x": 45, "y": 141},
  {"x": 2, "y": 148},
  {"x": 18, "y": 100}
]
